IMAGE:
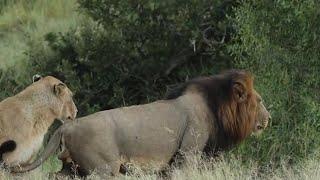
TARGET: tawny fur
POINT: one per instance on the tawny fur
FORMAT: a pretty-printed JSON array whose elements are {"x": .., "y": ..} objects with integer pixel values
[
  {"x": 26, "y": 117},
  {"x": 206, "y": 114}
]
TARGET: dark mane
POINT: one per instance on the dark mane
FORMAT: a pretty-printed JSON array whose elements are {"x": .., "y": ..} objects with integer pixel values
[
  {"x": 207, "y": 85},
  {"x": 217, "y": 90},
  {"x": 177, "y": 91}
]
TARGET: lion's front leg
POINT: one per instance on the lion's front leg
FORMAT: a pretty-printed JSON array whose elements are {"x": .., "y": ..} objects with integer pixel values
[{"x": 193, "y": 141}]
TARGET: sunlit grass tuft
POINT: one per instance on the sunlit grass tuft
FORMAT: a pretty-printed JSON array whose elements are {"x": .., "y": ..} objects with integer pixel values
[{"x": 22, "y": 21}]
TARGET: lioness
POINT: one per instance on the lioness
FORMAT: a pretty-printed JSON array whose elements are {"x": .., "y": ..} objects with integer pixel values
[
  {"x": 26, "y": 117},
  {"x": 207, "y": 114}
]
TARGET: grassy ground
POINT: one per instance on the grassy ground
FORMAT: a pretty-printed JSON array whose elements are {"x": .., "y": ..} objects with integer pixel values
[
  {"x": 220, "y": 169},
  {"x": 21, "y": 21}
]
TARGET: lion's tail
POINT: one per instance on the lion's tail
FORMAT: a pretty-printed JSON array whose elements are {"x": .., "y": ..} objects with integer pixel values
[{"x": 51, "y": 147}]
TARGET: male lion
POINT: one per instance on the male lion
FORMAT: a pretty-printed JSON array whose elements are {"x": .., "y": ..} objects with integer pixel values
[
  {"x": 207, "y": 114},
  {"x": 26, "y": 117}
]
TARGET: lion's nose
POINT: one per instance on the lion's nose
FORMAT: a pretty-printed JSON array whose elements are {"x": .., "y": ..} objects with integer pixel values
[{"x": 260, "y": 127}]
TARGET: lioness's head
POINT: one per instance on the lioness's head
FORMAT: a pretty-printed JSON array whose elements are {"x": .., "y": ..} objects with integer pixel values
[{"x": 67, "y": 109}]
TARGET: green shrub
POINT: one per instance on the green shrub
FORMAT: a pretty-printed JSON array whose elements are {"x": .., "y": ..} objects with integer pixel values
[
  {"x": 129, "y": 54},
  {"x": 278, "y": 41},
  {"x": 12, "y": 82}
]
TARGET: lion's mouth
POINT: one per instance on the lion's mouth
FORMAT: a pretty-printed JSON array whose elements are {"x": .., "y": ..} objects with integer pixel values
[{"x": 260, "y": 127}]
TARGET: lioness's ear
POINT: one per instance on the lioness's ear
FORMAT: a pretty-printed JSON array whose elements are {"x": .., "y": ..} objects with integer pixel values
[
  {"x": 59, "y": 89},
  {"x": 36, "y": 78},
  {"x": 240, "y": 92}
]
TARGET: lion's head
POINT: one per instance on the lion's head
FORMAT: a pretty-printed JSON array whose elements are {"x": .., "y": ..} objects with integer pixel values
[
  {"x": 237, "y": 108},
  {"x": 240, "y": 110}
]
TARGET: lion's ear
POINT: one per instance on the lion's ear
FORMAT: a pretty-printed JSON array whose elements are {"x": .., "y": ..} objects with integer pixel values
[
  {"x": 59, "y": 89},
  {"x": 239, "y": 91},
  {"x": 36, "y": 78}
]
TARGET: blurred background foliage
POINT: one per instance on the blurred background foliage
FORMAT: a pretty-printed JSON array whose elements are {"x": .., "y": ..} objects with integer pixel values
[{"x": 115, "y": 53}]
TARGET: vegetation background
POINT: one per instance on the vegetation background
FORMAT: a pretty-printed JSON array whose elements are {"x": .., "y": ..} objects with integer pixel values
[{"x": 115, "y": 53}]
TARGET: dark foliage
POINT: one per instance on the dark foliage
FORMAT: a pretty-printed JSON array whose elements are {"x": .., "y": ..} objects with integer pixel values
[{"x": 134, "y": 50}]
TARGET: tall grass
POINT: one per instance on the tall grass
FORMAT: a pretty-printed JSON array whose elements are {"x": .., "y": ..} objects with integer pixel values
[
  {"x": 22, "y": 21},
  {"x": 224, "y": 168}
]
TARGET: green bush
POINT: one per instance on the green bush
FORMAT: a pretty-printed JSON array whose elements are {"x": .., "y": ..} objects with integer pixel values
[
  {"x": 279, "y": 42},
  {"x": 12, "y": 82},
  {"x": 129, "y": 54}
]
